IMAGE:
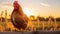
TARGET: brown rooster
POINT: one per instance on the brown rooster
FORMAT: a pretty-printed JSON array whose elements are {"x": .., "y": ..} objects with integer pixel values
[{"x": 18, "y": 18}]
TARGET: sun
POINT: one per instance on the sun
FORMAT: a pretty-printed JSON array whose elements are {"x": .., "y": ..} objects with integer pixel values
[{"x": 28, "y": 12}]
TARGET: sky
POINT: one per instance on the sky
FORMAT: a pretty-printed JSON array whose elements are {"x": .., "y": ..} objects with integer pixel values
[{"x": 42, "y": 8}]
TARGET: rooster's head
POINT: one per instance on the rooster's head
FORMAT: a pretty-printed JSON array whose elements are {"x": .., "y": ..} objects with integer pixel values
[{"x": 16, "y": 5}]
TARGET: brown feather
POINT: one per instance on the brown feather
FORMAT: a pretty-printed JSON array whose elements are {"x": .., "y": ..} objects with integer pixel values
[{"x": 18, "y": 18}]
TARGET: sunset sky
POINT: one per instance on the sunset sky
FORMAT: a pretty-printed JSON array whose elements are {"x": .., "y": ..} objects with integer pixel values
[{"x": 42, "y": 8}]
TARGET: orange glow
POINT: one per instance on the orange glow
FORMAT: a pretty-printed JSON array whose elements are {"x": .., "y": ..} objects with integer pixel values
[{"x": 28, "y": 12}]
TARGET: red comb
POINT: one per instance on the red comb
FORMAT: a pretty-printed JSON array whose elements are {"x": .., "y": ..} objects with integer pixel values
[{"x": 15, "y": 2}]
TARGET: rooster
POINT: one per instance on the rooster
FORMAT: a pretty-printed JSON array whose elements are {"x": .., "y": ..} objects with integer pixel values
[{"x": 18, "y": 18}]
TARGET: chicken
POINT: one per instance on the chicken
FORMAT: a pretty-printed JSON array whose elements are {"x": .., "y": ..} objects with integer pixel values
[{"x": 18, "y": 18}]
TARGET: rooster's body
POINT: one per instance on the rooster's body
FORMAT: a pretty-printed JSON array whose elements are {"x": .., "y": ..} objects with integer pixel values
[{"x": 18, "y": 18}]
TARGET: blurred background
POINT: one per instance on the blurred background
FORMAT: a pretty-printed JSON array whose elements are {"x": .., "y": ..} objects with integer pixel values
[{"x": 42, "y": 14}]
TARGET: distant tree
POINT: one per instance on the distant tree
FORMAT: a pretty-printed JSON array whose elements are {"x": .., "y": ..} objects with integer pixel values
[
  {"x": 41, "y": 18},
  {"x": 32, "y": 17},
  {"x": 58, "y": 19},
  {"x": 46, "y": 19},
  {"x": 52, "y": 18}
]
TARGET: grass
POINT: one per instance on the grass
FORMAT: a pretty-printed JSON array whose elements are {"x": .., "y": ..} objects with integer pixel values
[
  {"x": 35, "y": 23},
  {"x": 51, "y": 25}
]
